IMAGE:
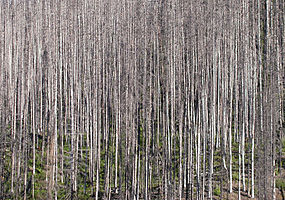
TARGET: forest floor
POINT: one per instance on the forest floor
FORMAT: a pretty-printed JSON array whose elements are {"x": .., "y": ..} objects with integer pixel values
[{"x": 245, "y": 196}]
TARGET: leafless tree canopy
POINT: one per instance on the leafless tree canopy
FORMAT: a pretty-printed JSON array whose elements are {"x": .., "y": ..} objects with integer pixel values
[{"x": 140, "y": 99}]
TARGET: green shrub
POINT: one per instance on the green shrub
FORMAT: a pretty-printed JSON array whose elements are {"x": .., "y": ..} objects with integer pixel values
[
  {"x": 217, "y": 190},
  {"x": 280, "y": 184},
  {"x": 235, "y": 176},
  {"x": 283, "y": 145},
  {"x": 276, "y": 171}
]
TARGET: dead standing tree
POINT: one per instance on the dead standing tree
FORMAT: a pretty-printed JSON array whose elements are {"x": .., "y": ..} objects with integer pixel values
[{"x": 141, "y": 99}]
